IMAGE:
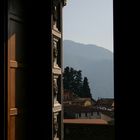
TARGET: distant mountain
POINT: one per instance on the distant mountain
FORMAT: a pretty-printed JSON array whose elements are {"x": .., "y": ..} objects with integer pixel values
[{"x": 96, "y": 64}]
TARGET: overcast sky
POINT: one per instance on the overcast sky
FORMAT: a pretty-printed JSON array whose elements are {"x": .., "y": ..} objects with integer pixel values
[{"x": 89, "y": 22}]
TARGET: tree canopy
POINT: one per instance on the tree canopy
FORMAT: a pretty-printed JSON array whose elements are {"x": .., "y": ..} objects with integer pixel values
[{"x": 72, "y": 80}]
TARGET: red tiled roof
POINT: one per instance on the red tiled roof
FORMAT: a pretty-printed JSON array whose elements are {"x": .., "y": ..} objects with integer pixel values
[
  {"x": 78, "y": 109},
  {"x": 85, "y": 121},
  {"x": 105, "y": 102}
]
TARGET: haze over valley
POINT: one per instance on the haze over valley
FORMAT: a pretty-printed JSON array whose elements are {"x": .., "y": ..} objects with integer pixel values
[{"x": 96, "y": 64}]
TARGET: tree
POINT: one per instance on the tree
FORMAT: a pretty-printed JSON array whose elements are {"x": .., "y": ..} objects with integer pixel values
[
  {"x": 77, "y": 83},
  {"x": 67, "y": 78},
  {"x": 85, "y": 91},
  {"x": 72, "y": 80}
]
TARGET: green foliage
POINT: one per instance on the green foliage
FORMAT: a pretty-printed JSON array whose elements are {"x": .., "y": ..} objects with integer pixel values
[
  {"x": 72, "y": 80},
  {"x": 85, "y": 91}
]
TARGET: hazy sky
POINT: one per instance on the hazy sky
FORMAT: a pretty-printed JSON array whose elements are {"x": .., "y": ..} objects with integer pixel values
[{"x": 89, "y": 22}]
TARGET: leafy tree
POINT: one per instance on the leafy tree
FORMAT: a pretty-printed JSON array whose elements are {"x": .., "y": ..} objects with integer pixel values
[
  {"x": 67, "y": 78},
  {"x": 85, "y": 91},
  {"x": 77, "y": 83},
  {"x": 72, "y": 80}
]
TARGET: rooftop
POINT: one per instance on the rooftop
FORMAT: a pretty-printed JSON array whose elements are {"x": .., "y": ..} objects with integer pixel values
[{"x": 85, "y": 121}]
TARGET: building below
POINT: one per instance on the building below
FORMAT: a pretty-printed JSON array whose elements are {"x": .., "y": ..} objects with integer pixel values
[
  {"x": 87, "y": 108},
  {"x": 81, "y": 112},
  {"x": 85, "y": 121}
]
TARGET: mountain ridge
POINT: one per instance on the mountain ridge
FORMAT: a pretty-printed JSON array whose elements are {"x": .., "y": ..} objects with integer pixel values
[
  {"x": 88, "y": 49},
  {"x": 96, "y": 64}
]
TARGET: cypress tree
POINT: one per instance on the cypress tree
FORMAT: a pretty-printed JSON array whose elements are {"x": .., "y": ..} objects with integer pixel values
[
  {"x": 85, "y": 91},
  {"x": 72, "y": 81}
]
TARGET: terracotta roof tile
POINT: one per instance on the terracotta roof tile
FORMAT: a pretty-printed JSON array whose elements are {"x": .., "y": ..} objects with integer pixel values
[{"x": 85, "y": 121}]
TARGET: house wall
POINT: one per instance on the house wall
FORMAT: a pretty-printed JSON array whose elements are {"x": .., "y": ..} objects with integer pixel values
[
  {"x": 89, "y": 115},
  {"x": 87, "y": 103},
  {"x": 105, "y": 117}
]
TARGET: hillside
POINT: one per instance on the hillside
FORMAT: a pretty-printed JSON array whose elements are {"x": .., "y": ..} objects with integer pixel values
[{"x": 95, "y": 62}]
